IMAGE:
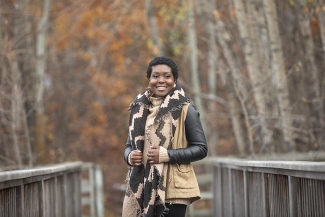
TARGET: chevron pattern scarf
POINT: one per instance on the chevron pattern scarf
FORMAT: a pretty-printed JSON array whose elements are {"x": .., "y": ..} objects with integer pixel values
[{"x": 145, "y": 193}]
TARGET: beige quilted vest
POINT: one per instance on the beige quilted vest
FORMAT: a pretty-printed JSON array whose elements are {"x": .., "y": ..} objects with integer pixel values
[{"x": 181, "y": 179}]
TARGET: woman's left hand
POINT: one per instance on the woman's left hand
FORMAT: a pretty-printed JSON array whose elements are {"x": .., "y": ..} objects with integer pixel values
[{"x": 153, "y": 154}]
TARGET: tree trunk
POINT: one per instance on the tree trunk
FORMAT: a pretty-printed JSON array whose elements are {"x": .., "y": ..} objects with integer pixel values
[
  {"x": 321, "y": 18},
  {"x": 19, "y": 31},
  {"x": 310, "y": 72},
  {"x": 154, "y": 29},
  {"x": 235, "y": 112},
  {"x": 39, "y": 82},
  {"x": 258, "y": 31},
  {"x": 233, "y": 81},
  {"x": 13, "y": 31},
  {"x": 309, "y": 48},
  {"x": 213, "y": 57},
  {"x": 15, "y": 123},
  {"x": 27, "y": 140},
  {"x": 279, "y": 72},
  {"x": 21, "y": 26},
  {"x": 255, "y": 75},
  {"x": 192, "y": 44}
]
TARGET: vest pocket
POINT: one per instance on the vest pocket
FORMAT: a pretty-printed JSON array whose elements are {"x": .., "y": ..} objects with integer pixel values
[{"x": 184, "y": 176}]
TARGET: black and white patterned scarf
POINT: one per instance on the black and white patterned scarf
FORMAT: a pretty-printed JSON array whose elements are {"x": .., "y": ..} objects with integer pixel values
[{"x": 145, "y": 194}]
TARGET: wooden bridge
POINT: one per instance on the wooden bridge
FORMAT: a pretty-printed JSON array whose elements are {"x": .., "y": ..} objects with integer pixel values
[
  {"x": 61, "y": 190},
  {"x": 268, "y": 188},
  {"x": 234, "y": 188}
]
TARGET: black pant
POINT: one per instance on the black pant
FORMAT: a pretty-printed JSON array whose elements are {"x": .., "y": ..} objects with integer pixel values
[{"x": 176, "y": 210}]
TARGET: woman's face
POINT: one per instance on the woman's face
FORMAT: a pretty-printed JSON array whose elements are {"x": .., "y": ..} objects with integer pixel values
[{"x": 161, "y": 80}]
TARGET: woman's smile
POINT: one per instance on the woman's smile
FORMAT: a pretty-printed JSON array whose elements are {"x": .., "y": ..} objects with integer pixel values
[{"x": 161, "y": 87}]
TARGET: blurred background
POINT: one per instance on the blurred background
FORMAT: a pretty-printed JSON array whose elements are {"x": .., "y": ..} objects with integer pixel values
[{"x": 69, "y": 70}]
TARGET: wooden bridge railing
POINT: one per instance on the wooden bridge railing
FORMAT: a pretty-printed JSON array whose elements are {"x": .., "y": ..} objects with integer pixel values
[
  {"x": 53, "y": 191},
  {"x": 268, "y": 188}
]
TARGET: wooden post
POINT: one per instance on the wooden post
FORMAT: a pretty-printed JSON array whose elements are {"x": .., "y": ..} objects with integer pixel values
[
  {"x": 20, "y": 201},
  {"x": 214, "y": 189},
  {"x": 230, "y": 191},
  {"x": 41, "y": 199},
  {"x": 246, "y": 193},
  {"x": 99, "y": 190},
  {"x": 264, "y": 195},
  {"x": 219, "y": 183},
  {"x": 75, "y": 194},
  {"x": 55, "y": 189},
  {"x": 293, "y": 196},
  {"x": 92, "y": 197},
  {"x": 65, "y": 214}
]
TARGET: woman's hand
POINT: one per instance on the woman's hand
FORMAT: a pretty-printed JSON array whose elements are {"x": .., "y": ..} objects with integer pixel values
[
  {"x": 136, "y": 158},
  {"x": 153, "y": 154}
]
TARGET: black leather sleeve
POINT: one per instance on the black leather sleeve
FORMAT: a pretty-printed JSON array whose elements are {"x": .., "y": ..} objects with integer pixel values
[
  {"x": 197, "y": 146},
  {"x": 127, "y": 150}
]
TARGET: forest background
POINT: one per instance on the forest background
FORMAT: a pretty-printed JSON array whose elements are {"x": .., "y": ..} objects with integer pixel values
[{"x": 69, "y": 70}]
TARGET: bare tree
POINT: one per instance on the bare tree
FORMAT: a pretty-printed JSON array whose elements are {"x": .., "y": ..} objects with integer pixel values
[
  {"x": 256, "y": 76},
  {"x": 39, "y": 79},
  {"x": 279, "y": 72},
  {"x": 195, "y": 78},
  {"x": 258, "y": 30},
  {"x": 205, "y": 10},
  {"x": 309, "y": 72},
  {"x": 215, "y": 64},
  {"x": 213, "y": 59},
  {"x": 154, "y": 29},
  {"x": 321, "y": 18},
  {"x": 13, "y": 114},
  {"x": 237, "y": 90}
]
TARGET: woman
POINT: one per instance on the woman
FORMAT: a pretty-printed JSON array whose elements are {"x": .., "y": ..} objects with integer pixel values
[{"x": 165, "y": 135}]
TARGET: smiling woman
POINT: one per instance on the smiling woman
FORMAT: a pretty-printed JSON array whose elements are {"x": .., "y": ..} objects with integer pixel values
[
  {"x": 165, "y": 136},
  {"x": 161, "y": 80}
]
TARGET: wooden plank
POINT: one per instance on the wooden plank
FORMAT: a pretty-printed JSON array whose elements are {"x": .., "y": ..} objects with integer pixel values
[
  {"x": 99, "y": 190},
  {"x": 274, "y": 165},
  {"x": 231, "y": 193},
  {"x": 293, "y": 196},
  {"x": 42, "y": 201},
  {"x": 20, "y": 201},
  {"x": 246, "y": 193},
  {"x": 55, "y": 196},
  {"x": 11, "y": 183},
  {"x": 65, "y": 193},
  {"x": 27, "y": 173},
  {"x": 215, "y": 189}
]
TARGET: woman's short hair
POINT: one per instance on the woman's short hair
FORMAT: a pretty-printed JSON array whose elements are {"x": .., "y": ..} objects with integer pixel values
[{"x": 163, "y": 60}]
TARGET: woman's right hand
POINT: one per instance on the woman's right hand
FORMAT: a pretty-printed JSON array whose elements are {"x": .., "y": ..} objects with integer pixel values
[{"x": 136, "y": 158}]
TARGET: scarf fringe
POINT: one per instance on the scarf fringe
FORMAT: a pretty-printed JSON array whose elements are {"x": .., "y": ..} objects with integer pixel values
[
  {"x": 177, "y": 108},
  {"x": 165, "y": 212},
  {"x": 137, "y": 103}
]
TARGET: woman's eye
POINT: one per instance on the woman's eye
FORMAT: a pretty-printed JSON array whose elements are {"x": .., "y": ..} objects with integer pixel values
[{"x": 155, "y": 76}]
